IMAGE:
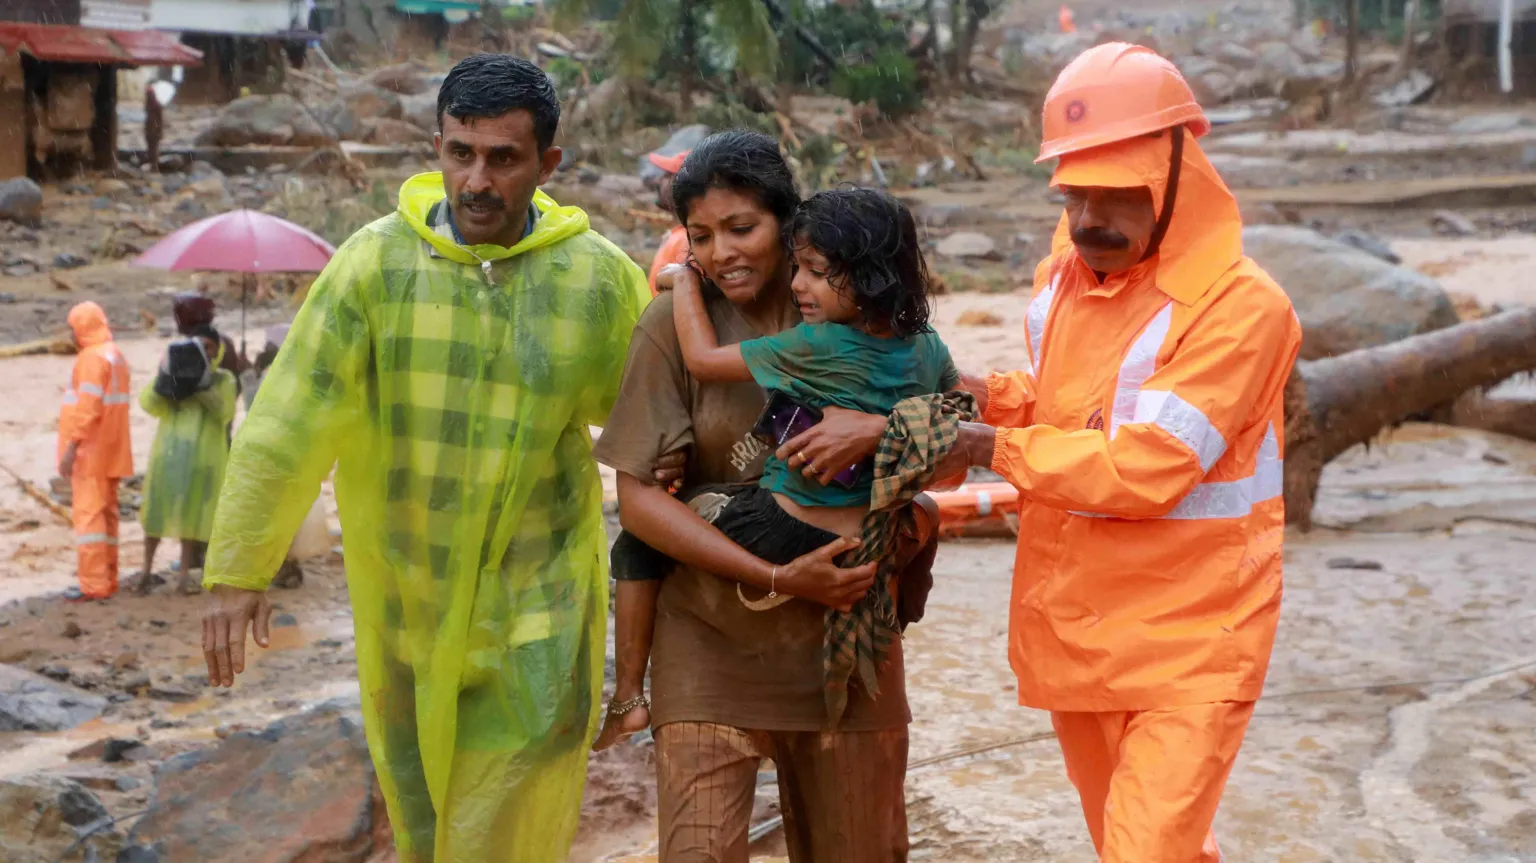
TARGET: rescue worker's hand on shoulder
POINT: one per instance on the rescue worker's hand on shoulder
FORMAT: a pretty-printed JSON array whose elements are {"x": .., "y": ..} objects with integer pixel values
[{"x": 230, "y": 611}]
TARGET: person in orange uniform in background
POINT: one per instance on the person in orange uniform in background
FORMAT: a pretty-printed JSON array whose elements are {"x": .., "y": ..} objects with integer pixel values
[
  {"x": 94, "y": 448},
  {"x": 1145, "y": 441},
  {"x": 674, "y": 246}
]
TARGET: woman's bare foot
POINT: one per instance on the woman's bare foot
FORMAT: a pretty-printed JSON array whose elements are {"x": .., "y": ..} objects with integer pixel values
[{"x": 636, "y": 717}]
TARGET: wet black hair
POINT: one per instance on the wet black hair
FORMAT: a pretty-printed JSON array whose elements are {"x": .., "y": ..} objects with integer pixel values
[
  {"x": 743, "y": 161},
  {"x": 489, "y": 85},
  {"x": 205, "y": 331},
  {"x": 870, "y": 242}
]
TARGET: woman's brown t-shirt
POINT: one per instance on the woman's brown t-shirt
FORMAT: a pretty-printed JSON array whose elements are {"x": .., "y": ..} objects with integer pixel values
[{"x": 714, "y": 659}]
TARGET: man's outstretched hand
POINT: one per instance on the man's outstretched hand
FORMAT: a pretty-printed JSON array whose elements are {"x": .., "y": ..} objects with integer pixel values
[{"x": 230, "y": 611}]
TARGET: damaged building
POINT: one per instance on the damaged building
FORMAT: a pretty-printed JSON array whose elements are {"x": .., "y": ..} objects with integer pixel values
[{"x": 1473, "y": 39}]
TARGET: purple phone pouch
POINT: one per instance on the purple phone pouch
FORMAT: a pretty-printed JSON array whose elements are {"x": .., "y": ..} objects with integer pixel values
[{"x": 783, "y": 418}]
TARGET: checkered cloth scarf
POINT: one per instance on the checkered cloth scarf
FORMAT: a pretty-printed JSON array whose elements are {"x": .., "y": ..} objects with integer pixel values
[{"x": 921, "y": 432}]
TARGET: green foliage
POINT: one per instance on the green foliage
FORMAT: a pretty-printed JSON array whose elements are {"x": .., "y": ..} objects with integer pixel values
[
  {"x": 733, "y": 35},
  {"x": 853, "y": 35},
  {"x": 820, "y": 159},
  {"x": 329, "y": 210},
  {"x": 730, "y": 114},
  {"x": 889, "y": 80},
  {"x": 565, "y": 71},
  {"x": 519, "y": 13}
]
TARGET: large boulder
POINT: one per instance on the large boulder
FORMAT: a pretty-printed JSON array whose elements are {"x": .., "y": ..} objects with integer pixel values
[
  {"x": 276, "y": 121},
  {"x": 21, "y": 201},
  {"x": 1347, "y": 299},
  {"x": 349, "y": 113},
  {"x": 42, "y": 817},
  {"x": 301, "y": 789},
  {"x": 405, "y": 79},
  {"x": 421, "y": 110},
  {"x": 31, "y": 702},
  {"x": 396, "y": 133}
]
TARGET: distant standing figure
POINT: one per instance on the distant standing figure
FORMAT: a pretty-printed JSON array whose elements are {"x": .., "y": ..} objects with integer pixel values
[
  {"x": 194, "y": 400},
  {"x": 154, "y": 127},
  {"x": 674, "y": 246},
  {"x": 94, "y": 450}
]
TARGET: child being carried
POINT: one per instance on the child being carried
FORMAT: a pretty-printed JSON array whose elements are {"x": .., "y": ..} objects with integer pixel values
[{"x": 862, "y": 289}]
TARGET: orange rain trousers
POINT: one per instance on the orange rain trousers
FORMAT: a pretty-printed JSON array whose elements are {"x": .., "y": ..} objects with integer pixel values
[
  {"x": 1150, "y": 780},
  {"x": 95, "y": 514}
]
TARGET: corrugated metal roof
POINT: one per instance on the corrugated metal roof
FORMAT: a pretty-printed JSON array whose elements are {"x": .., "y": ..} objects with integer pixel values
[{"x": 64, "y": 44}]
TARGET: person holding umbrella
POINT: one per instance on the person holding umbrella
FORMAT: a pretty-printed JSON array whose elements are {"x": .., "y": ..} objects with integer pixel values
[
  {"x": 448, "y": 362},
  {"x": 193, "y": 397}
]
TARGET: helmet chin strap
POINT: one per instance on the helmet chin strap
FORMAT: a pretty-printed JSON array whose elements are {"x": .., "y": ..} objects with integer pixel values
[{"x": 1166, "y": 216}]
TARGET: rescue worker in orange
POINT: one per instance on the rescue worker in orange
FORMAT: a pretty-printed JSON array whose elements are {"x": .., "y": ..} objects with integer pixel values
[
  {"x": 674, "y": 246},
  {"x": 1145, "y": 440},
  {"x": 94, "y": 450}
]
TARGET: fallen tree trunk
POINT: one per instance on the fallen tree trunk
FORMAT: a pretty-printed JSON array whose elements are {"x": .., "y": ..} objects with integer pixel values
[
  {"x": 1336, "y": 403},
  {"x": 1513, "y": 417},
  {"x": 40, "y": 346}
]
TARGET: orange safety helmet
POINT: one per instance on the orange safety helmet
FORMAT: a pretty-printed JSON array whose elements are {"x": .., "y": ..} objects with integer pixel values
[{"x": 1113, "y": 92}]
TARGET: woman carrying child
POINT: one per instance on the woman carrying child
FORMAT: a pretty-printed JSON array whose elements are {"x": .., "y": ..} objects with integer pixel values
[{"x": 738, "y": 674}]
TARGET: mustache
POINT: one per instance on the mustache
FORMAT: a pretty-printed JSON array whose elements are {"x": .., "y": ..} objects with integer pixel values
[
  {"x": 488, "y": 200},
  {"x": 1100, "y": 238}
]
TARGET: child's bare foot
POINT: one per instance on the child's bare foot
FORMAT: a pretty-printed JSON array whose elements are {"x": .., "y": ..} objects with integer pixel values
[{"x": 623, "y": 719}]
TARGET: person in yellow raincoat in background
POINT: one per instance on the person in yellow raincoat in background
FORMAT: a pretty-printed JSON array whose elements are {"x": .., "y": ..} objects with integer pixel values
[
  {"x": 186, "y": 463},
  {"x": 1146, "y": 442},
  {"x": 94, "y": 450},
  {"x": 449, "y": 361}
]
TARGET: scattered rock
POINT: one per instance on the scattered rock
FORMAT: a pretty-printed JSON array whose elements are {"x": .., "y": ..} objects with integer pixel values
[
  {"x": 420, "y": 110},
  {"x": 173, "y": 694},
  {"x": 967, "y": 244},
  {"x": 979, "y": 318},
  {"x": 1452, "y": 224},
  {"x": 136, "y": 682},
  {"x": 403, "y": 79},
  {"x": 72, "y": 630},
  {"x": 1528, "y": 156},
  {"x": 1346, "y": 299},
  {"x": 1353, "y": 563},
  {"x": 110, "y": 187},
  {"x": 1370, "y": 244},
  {"x": 284, "y": 620},
  {"x": 348, "y": 114},
  {"x": 41, "y": 817},
  {"x": 31, "y": 702},
  {"x": 301, "y": 789},
  {"x": 128, "y": 660},
  {"x": 21, "y": 201},
  {"x": 267, "y": 120},
  {"x": 115, "y": 750},
  {"x": 394, "y": 132},
  {"x": 7, "y": 298},
  {"x": 159, "y": 724},
  {"x": 68, "y": 261},
  {"x": 622, "y": 184}
]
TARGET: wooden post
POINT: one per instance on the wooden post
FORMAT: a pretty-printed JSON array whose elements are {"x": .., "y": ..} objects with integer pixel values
[
  {"x": 1410, "y": 25},
  {"x": 1352, "y": 41},
  {"x": 1506, "y": 35}
]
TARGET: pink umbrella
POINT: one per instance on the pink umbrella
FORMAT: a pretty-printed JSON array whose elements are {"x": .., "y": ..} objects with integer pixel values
[{"x": 240, "y": 241}]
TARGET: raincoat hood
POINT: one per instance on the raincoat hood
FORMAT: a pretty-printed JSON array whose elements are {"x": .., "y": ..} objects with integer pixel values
[
  {"x": 90, "y": 325},
  {"x": 422, "y": 192},
  {"x": 1205, "y": 236}
]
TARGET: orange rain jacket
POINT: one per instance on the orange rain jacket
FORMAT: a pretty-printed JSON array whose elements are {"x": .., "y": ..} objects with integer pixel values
[
  {"x": 95, "y": 409},
  {"x": 674, "y": 250},
  {"x": 1146, "y": 441}
]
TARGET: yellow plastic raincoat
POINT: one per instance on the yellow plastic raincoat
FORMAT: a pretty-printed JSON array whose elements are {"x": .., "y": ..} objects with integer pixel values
[
  {"x": 186, "y": 463},
  {"x": 453, "y": 388}
]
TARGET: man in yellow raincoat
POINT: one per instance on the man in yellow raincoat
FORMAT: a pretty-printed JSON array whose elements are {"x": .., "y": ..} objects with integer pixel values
[
  {"x": 449, "y": 360},
  {"x": 1146, "y": 441}
]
